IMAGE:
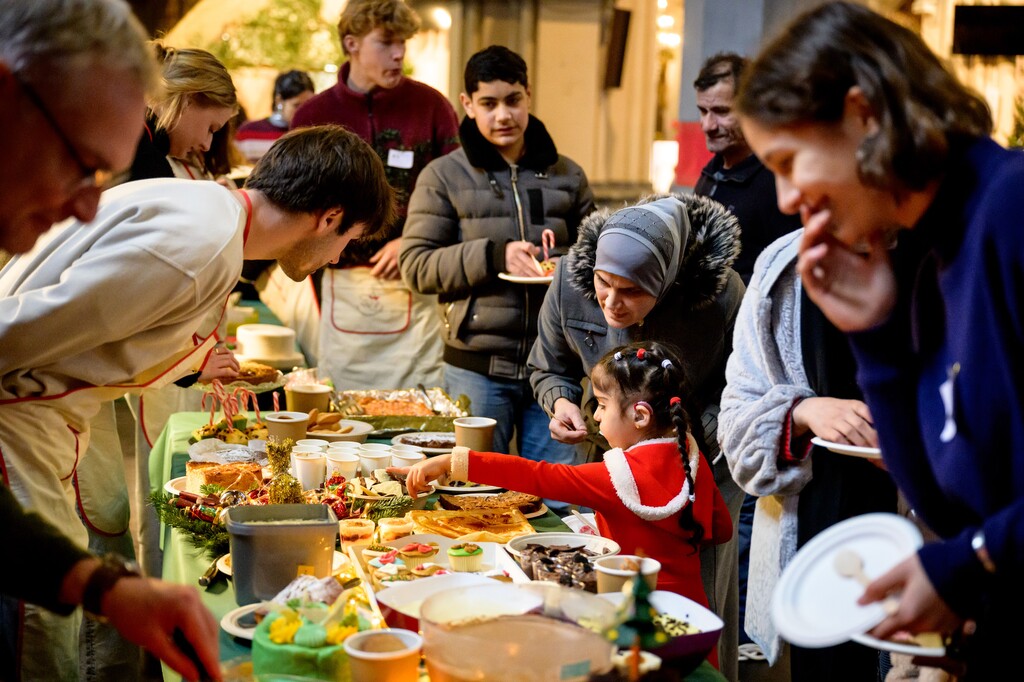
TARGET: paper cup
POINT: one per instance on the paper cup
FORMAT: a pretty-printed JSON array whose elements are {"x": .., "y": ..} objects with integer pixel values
[
  {"x": 343, "y": 446},
  {"x": 355, "y": 532},
  {"x": 373, "y": 459},
  {"x": 374, "y": 447},
  {"x": 384, "y": 655},
  {"x": 342, "y": 464},
  {"x": 310, "y": 469},
  {"x": 281, "y": 425},
  {"x": 612, "y": 571},
  {"x": 475, "y": 433},
  {"x": 406, "y": 459},
  {"x": 402, "y": 447},
  {"x": 305, "y": 397},
  {"x": 313, "y": 442}
]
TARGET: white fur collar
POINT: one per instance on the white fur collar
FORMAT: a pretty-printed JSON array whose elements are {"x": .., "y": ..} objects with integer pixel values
[{"x": 625, "y": 484}]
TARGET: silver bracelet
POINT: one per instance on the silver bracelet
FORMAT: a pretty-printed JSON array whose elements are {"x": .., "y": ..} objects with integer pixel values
[
  {"x": 981, "y": 551},
  {"x": 458, "y": 470}
]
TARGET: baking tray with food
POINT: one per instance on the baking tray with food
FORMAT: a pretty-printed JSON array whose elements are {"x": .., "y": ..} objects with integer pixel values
[{"x": 407, "y": 409}]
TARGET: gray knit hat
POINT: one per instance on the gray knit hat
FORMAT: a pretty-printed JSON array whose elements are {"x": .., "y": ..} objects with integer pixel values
[{"x": 645, "y": 244}]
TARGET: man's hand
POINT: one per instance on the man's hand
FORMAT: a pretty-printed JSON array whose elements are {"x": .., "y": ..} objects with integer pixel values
[
  {"x": 385, "y": 261},
  {"x": 148, "y": 612},
  {"x": 420, "y": 474},
  {"x": 839, "y": 421},
  {"x": 568, "y": 425},
  {"x": 856, "y": 291},
  {"x": 521, "y": 259},
  {"x": 221, "y": 364}
]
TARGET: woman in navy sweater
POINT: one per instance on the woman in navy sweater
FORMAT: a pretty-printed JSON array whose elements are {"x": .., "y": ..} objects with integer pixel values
[{"x": 870, "y": 138}]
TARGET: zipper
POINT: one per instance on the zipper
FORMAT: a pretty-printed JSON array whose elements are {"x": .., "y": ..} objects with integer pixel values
[
  {"x": 447, "y": 321},
  {"x": 514, "y": 175}
]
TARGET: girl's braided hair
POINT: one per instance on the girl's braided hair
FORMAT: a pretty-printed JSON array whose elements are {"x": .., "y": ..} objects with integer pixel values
[{"x": 651, "y": 372}]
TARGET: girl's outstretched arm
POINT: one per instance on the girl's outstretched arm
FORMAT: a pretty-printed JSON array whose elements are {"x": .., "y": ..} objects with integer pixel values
[{"x": 422, "y": 473}]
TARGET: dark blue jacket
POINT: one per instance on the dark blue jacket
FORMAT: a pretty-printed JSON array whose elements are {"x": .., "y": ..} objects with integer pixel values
[{"x": 960, "y": 318}]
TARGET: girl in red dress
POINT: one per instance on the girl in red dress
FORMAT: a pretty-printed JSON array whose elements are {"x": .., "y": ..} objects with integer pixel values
[{"x": 654, "y": 493}]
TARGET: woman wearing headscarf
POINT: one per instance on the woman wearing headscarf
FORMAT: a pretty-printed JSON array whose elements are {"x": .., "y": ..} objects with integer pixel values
[{"x": 659, "y": 270}]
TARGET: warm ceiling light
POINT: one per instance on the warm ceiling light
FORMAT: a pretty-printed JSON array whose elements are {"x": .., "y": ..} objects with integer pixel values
[
  {"x": 442, "y": 18},
  {"x": 665, "y": 21},
  {"x": 669, "y": 39}
]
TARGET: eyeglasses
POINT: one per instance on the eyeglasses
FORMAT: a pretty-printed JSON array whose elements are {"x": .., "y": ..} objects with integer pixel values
[{"x": 91, "y": 176}]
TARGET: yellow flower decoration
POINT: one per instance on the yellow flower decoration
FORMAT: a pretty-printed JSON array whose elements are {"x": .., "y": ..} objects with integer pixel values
[
  {"x": 336, "y": 634},
  {"x": 284, "y": 627}
]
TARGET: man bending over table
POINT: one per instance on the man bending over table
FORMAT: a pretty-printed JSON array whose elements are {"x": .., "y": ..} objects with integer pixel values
[{"x": 90, "y": 314}]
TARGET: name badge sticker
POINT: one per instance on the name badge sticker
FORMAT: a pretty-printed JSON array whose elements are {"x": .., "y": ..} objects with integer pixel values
[{"x": 400, "y": 158}]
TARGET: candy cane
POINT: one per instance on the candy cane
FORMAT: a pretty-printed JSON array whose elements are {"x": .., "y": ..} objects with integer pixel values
[
  {"x": 213, "y": 404},
  {"x": 255, "y": 403},
  {"x": 277, "y": 402}
]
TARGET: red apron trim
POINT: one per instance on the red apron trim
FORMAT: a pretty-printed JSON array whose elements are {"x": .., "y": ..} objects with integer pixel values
[
  {"x": 3, "y": 469},
  {"x": 248, "y": 215},
  {"x": 142, "y": 422},
  {"x": 148, "y": 131},
  {"x": 75, "y": 467},
  {"x": 85, "y": 517}
]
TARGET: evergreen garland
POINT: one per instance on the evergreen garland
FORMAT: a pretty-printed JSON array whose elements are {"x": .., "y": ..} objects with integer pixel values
[{"x": 211, "y": 538}]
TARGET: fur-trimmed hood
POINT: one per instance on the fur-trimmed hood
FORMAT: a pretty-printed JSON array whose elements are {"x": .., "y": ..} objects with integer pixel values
[{"x": 710, "y": 252}]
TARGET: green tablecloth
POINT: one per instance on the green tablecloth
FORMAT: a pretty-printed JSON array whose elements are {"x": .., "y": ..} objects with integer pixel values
[{"x": 184, "y": 564}]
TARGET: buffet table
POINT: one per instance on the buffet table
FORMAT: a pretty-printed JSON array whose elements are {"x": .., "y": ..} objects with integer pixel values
[{"x": 183, "y": 564}]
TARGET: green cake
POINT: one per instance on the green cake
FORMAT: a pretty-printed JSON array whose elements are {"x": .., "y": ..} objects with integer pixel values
[{"x": 308, "y": 654}]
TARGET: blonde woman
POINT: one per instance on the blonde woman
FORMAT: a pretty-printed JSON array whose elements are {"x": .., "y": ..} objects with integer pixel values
[{"x": 196, "y": 99}]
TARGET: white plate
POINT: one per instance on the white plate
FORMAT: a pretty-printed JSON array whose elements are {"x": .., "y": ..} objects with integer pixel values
[
  {"x": 598, "y": 545},
  {"x": 494, "y": 558},
  {"x": 235, "y": 622},
  {"x": 463, "y": 489},
  {"x": 844, "y": 449},
  {"x": 900, "y": 647},
  {"x": 176, "y": 486},
  {"x": 814, "y": 606},
  {"x": 519, "y": 279},
  {"x": 360, "y": 430},
  {"x": 224, "y": 563},
  {"x": 401, "y": 439}
]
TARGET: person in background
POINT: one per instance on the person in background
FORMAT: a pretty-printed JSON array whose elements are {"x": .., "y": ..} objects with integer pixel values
[
  {"x": 186, "y": 136},
  {"x": 654, "y": 493},
  {"x": 874, "y": 142},
  {"x": 659, "y": 270},
  {"x": 159, "y": 255},
  {"x": 64, "y": 145},
  {"x": 477, "y": 213},
  {"x": 375, "y": 332},
  {"x": 791, "y": 377},
  {"x": 291, "y": 90},
  {"x": 736, "y": 179},
  {"x": 196, "y": 99}
]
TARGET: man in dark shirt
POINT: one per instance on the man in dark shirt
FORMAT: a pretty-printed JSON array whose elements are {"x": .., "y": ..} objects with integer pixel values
[{"x": 735, "y": 177}]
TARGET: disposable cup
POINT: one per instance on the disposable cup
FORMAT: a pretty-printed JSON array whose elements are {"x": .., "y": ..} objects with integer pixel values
[
  {"x": 342, "y": 464},
  {"x": 343, "y": 446},
  {"x": 310, "y": 469},
  {"x": 313, "y": 442},
  {"x": 402, "y": 447},
  {"x": 379, "y": 447},
  {"x": 370, "y": 460},
  {"x": 306, "y": 397},
  {"x": 406, "y": 459},
  {"x": 614, "y": 571},
  {"x": 475, "y": 433},
  {"x": 281, "y": 425},
  {"x": 384, "y": 655}
]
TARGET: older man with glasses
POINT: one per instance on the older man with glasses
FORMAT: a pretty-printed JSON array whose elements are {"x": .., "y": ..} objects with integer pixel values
[{"x": 73, "y": 74}]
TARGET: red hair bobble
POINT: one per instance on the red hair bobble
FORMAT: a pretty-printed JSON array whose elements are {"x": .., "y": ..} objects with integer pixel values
[
  {"x": 674, "y": 400},
  {"x": 640, "y": 353}
]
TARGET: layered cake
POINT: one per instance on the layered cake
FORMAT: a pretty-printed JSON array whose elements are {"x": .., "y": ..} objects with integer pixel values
[{"x": 267, "y": 344}]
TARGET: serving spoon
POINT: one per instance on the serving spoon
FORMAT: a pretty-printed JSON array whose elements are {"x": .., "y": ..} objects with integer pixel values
[{"x": 849, "y": 564}]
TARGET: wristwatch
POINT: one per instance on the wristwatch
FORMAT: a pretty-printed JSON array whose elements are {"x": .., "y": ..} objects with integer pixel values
[
  {"x": 981, "y": 551},
  {"x": 111, "y": 569}
]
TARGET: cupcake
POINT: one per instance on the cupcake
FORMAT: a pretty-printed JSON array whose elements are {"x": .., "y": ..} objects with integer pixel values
[
  {"x": 465, "y": 557},
  {"x": 388, "y": 574},
  {"x": 428, "y": 569},
  {"x": 371, "y": 552},
  {"x": 418, "y": 552}
]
